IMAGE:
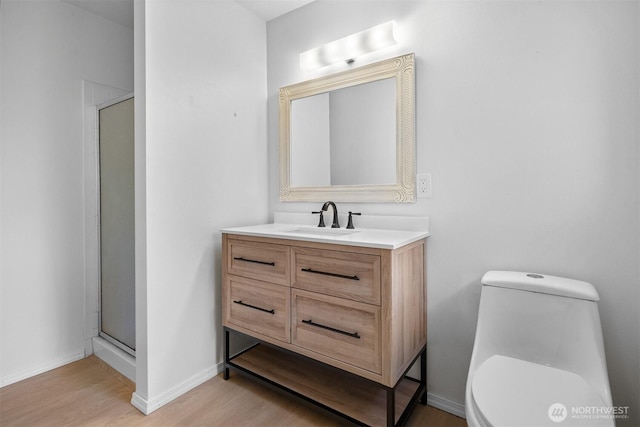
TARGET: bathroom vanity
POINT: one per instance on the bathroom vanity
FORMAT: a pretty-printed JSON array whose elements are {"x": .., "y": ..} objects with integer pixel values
[{"x": 339, "y": 315}]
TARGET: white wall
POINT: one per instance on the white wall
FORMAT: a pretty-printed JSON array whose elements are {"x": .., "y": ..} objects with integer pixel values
[
  {"x": 363, "y": 121},
  {"x": 205, "y": 166},
  {"x": 527, "y": 118},
  {"x": 47, "y": 49},
  {"x": 310, "y": 141}
]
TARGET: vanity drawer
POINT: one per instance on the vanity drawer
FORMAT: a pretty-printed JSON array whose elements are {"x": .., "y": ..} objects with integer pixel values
[
  {"x": 343, "y": 274},
  {"x": 257, "y": 260},
  {"x": 345, "y": 330},
  {"x": 258, "y": 306}
]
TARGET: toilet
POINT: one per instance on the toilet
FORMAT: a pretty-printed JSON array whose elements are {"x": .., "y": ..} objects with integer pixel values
[{"x": 538, "y": 357}]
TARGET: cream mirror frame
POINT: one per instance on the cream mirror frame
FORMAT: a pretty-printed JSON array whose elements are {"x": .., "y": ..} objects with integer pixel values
[{"x": 401, "y": 69}]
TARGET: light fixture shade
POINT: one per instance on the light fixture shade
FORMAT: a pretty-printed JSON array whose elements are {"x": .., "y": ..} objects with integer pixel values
[{"x": 350, "y": 47}]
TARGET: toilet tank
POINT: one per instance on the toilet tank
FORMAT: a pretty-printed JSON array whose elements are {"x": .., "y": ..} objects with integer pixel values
[{"x": 548, "y": 320}]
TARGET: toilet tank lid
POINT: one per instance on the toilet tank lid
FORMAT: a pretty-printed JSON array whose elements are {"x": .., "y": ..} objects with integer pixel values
[{"x": 541, "y": 283}]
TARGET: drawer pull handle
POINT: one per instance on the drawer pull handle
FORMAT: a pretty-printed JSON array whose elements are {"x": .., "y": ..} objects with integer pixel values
[
  {"x": 342, "y": 276},
  {"x": 254, "y": 261},
  {"x": 253, "y": 306},
  {"x": 329, "y": 328}
]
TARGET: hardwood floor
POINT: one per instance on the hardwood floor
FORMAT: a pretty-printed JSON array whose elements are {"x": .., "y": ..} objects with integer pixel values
[{"x": 89, "y": 393}]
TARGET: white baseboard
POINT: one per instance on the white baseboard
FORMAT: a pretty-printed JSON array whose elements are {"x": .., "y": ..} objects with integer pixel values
[
  {"x": 140, "y": 403},
  {"x": 114, "y": 357},
  {"x": 446, "y": 405},
  {"x": 32, "y": 371},
  {"x": 147, "y": 406}
]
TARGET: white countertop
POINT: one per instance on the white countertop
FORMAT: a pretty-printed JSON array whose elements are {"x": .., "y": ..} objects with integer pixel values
[{"x": 366, "y": 237}]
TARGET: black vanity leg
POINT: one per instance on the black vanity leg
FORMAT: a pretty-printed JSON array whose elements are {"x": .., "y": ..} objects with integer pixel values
[
  {"x": 423, "y": 375},
  {"x": 226, "y": 354},
  {"x": 391, "y": 406}
]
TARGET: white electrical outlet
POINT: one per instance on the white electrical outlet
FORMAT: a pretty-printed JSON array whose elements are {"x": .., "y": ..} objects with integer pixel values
[{"x": 423, "y": 184}]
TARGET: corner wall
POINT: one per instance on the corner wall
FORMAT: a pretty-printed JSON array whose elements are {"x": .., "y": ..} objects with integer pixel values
[
  {"x": 47, "y": 49},
  {"x": 202, "y": 167},
  {"x": 527, "y": 119}
]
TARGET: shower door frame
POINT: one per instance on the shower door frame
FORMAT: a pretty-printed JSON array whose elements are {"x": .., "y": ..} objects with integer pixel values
[{"x": 122, "y": 346}]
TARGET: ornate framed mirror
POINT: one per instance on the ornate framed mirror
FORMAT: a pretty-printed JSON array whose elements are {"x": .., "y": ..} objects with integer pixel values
[{"x": 350, "y": 136}]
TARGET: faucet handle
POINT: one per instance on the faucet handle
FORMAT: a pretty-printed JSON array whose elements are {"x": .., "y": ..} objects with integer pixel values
[
  {"x": 350, "y": 223},
  {"x": 321, "y": 223}
]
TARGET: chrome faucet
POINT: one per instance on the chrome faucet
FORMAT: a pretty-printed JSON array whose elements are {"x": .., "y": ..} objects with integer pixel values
[{"x": 326, "y": 205}]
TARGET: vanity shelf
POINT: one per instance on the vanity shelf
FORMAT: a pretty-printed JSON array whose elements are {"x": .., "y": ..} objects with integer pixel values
[
  {"x": 361, "y": 401},
  {"x": 338, "y": 325}
]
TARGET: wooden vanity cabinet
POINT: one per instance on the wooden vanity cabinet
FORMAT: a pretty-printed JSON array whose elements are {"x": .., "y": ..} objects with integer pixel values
[{"x": 358, "y": 309}]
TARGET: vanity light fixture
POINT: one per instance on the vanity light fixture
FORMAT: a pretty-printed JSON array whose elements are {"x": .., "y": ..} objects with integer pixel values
[{"x": 348, "y": 48}]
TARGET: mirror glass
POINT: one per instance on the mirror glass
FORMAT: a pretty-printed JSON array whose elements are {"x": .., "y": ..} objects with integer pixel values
[
  {"x": 345, "y": 136},
  {"x": 350, "y": 136}
]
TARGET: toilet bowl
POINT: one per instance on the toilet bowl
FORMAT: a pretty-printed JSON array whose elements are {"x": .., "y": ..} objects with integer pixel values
[{"x": 538, "y": 357}]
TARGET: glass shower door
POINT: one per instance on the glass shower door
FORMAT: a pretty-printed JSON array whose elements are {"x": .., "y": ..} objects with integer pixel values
[{"x": 117, "y": 225}]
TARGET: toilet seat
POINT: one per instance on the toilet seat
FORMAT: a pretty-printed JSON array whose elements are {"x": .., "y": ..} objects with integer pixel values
[{"x": 514, "y": 392}]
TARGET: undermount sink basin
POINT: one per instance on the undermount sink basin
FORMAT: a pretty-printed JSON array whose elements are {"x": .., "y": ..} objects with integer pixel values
[{"x": 329, "y": 232}]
